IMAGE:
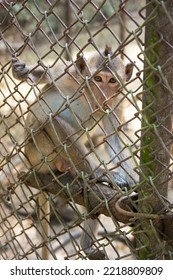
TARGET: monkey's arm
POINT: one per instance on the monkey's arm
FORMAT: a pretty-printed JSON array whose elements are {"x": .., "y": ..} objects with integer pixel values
[
  {"x": 118, "y": 154},
  {"x": 22, "y": 72}
]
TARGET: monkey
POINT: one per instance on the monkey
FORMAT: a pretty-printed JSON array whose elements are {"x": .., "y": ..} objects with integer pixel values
[{"x": 77, "y": 97}]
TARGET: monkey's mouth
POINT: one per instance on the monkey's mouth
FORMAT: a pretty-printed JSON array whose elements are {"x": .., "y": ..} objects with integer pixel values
[{"x": 103, "y": 107}]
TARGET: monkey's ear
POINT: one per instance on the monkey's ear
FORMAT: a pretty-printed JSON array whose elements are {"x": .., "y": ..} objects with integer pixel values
[
  {"x": 129, "y": 71},
  {"x": 108, "y": 50},
  {"x": 81, "y": 63}
]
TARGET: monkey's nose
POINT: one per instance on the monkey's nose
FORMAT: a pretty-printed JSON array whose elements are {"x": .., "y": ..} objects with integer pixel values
[{"x": 106, "y": 104}]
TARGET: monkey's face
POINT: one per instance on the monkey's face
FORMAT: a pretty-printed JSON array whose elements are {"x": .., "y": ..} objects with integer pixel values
[{"x": 104, "y": 87}]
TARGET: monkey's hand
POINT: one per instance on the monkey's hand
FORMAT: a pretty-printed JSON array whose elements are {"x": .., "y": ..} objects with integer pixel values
[
  {"x": 118, "y": 179},
  {"x": 19, "y": 69}
]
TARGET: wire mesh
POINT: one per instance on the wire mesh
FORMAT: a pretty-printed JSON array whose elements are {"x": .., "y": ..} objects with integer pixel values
[{"x": 78, "y": 150}]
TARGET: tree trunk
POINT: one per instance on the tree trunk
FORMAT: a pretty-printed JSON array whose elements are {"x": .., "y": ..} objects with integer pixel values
[{"x": 156, "y": 126}]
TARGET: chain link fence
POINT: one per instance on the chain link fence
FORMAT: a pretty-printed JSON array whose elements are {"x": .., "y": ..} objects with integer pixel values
[{"x": 86, "y": 129}]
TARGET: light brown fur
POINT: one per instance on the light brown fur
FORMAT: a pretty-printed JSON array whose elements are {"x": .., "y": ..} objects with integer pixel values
[{"x": 71, "y": 107}]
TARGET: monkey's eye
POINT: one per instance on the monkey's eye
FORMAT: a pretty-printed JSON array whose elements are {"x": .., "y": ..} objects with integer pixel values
[
  {"x": 112, "y": 81},
  {"x": 98, "y": 79}
]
